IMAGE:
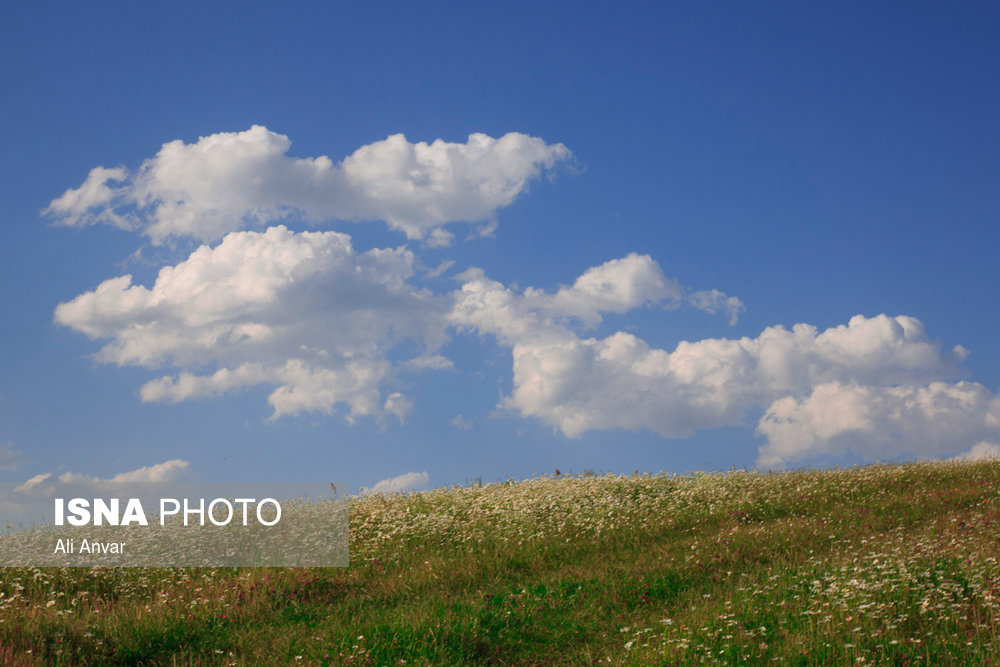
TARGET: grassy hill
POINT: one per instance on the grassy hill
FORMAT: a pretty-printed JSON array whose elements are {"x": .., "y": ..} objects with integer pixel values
[{"x": 882, "y": 564}]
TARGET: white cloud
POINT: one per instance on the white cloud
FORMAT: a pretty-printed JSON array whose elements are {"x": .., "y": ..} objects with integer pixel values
[
  {"x": 90, "y": 203},
  {"x": 235, "y": 180},
  {"x": 981, "y": 451},
  {"x": 11, "y": 459},
  {"x": 302, "y": 312},
  {"x": 712, "y": 301},
  {"x": 616, "y": 286},
  {"x": 411, "y": 481},
  {"x": 874, "y": 385},
  {"x": 461, "y": 423},
  {"x": 324, "y": 326},
  {"x": 620, "y": 382},
  {"x": 581, "y": 384},
  {"x": 440, "y": 268},
  {"x": 32, "y": 500},
  {"x": 435, "y": 362},
  {"x": 33, "y": 482},
  {"x": 932, "y": 420},
  {"x": 398, "y": 405},
  {"x": 174, "y": 470}
]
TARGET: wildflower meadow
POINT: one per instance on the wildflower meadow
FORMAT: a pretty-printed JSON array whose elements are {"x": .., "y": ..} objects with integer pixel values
[{"x": 885, "y": 564}]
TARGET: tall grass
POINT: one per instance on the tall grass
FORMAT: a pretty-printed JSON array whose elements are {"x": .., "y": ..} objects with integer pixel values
[{"x": 884, "y": 564}]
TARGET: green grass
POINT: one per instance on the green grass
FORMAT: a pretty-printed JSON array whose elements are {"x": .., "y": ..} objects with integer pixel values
[{"x": 875, "y": 565}]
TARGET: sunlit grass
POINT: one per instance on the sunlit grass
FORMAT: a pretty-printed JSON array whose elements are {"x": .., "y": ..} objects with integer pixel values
[{"x": 883, "y": 564}]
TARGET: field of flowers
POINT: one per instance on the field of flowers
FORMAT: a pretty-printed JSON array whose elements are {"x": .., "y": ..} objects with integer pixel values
[{"x": 886, "y": 564}]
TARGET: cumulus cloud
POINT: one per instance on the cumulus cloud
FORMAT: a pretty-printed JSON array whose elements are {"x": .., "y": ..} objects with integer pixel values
[
  {"x": 411, "y": 481},
  {"x": 616, "y": 286},
  {"x": 302, "y": 312},
  {"x": 981, "y": 451},
  {"x": 90, "y": 203},
  {"x": 932, "y": 420},
  {"x": 875, "y": 385},
  {"x": 326, "y": 327},
  {"x": 580, "y": 384},
  {"x": 237, "y": 180}
]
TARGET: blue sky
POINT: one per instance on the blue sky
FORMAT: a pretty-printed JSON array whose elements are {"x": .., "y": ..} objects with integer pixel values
[{"x": 598, "y": 266}]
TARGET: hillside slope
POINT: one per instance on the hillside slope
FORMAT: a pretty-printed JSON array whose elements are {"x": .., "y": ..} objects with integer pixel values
[{"x": 886, "y": 563}]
